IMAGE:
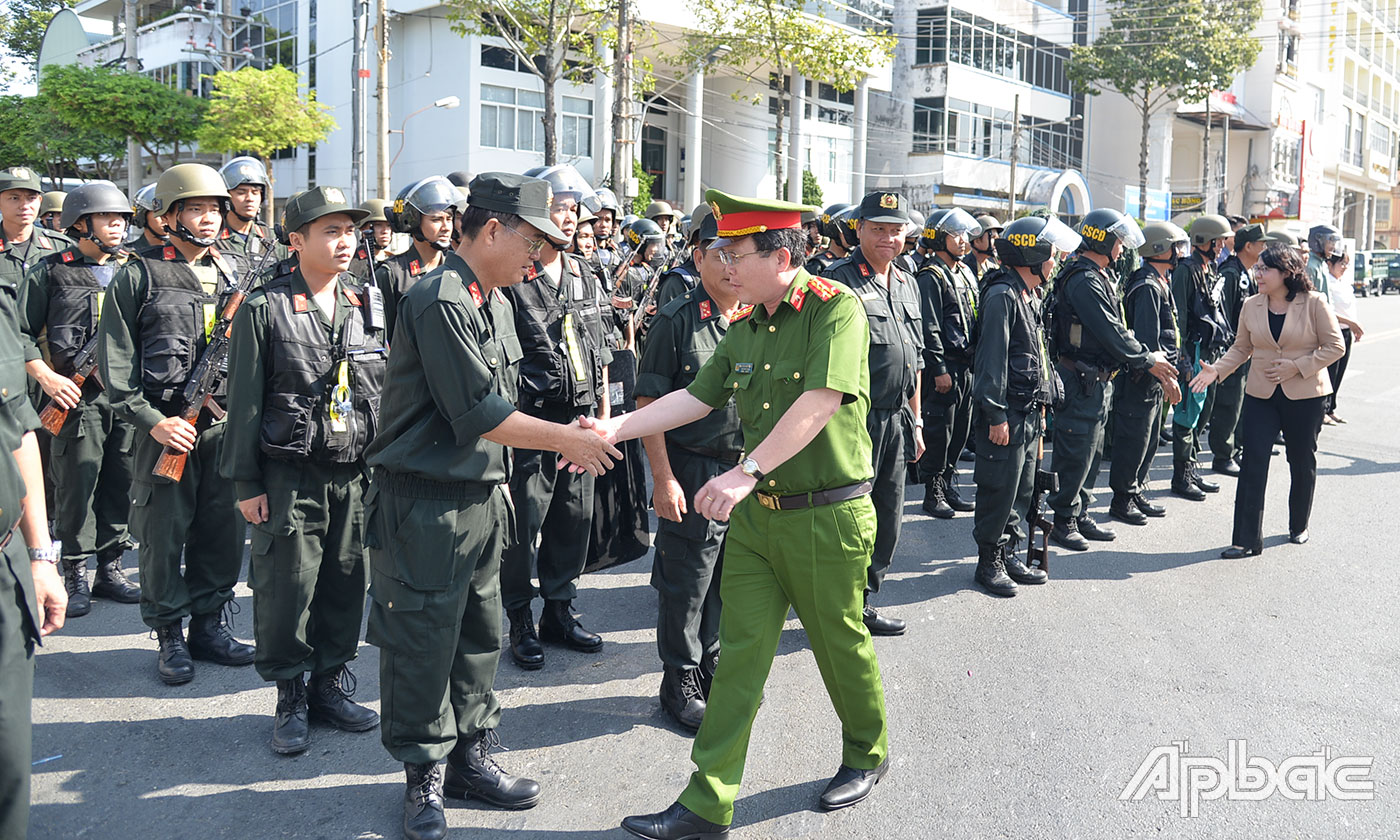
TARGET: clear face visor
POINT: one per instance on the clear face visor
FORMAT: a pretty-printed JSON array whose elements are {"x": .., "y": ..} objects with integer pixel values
[
  {"x": 566, "y": 182},
  {"x": 1128, "y": 231},
  {"x": 1182, "y": 249},
  {"x": 435, "y": 195},
  {"x": 958, "y": 222},
  {"x": 1060, "y": 236}
]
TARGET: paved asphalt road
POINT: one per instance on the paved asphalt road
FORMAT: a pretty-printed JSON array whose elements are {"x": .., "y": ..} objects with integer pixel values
[{"x": 1021, "y": 718}]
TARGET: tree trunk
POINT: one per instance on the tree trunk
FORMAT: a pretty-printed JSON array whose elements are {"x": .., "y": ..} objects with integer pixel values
[
  {"x": 1142, "y": 152},
  {"x": 551, "y": 120},
  {"x": 778, "y": 167}
]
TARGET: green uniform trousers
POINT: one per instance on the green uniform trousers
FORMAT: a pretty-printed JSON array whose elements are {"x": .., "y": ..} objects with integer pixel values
[
  {"x": 91, "y": 465},
  {"x": 198, "y": 516},
  {"x": 1078, "y": 437},
  {"x": 947, "y": 422},
  {"x": 435, "y": 611},
  {"x": 17, "y": 638},
  {"x": 1186, "y": 439},
  {"x": 557, "y": 507},
  {"x": 1005, "y": 477},
  {"x": 813, "y": 560},
  {"x": 1225, "y": 414},
  {"x": 1137, "y": 429},
  {"x": 890, "y": 435},
  {"x": 307, "y": 568},
  {"x": 685, "y": 569}
]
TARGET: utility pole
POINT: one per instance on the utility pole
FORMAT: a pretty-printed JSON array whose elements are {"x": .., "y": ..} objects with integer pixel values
[
  {"x": 623, "y": 149},
  {"x": 381, "y": 92},
  {"x": 134, "y": 168},
  {"x": 1015, "y": 150},
  {"x": 359, "y": 103},
  {"x": 1207, "y": 182}
]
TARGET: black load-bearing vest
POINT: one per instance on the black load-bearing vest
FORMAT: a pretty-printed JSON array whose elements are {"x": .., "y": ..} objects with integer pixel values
[
  {"x": 305, "y": 372},
  {"x": 1166, "y": 310},
  {"x": 1026, "y": 383},
  {"x": 1071, "y": 338},
  {"x": 75, "y": 302},
  {"x": 550, "y": 373},
  {"x": 173, "y": 323}
]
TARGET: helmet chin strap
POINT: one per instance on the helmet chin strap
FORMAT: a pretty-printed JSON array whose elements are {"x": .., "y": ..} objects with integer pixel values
[{"x": 441, "y": 246}]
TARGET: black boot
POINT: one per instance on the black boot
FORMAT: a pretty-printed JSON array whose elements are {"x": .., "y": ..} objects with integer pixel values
[
  {"x": 472, "y": 772},
  {"x": 75, "y": 581},
  {"x": 1066, "y": 534},
  {"x": 1147, "y": 508},
  {"x": 952, "y": 496},
  {"x": 682, "y": 696},
  {"x": 291, "y": 733},
  {"x": 1182, "y": 485},
  {"x": 525, "y": 647},
  {"x": 1225, "y": 466},
  {"x": 1123, "y": 509},
  {"x": 558, "y": 625},
  {"x": 211, "y": 640},
  {"x": 675, "y": 823},
  {"x": 991, "y": 572},
  {"x": 934, "y": 502},
  {"x": 1092, "y": 530},
  {"x": 1198, "y": 480},
  {"x": 330, "y": 701},
  {"x": 112, "y": 583},
  {"x": 423, "y": 818},
  {"x": 1018, "y": 571},
  {"x": 173, "y": 659},
  {"x": 709, "y": 663}
]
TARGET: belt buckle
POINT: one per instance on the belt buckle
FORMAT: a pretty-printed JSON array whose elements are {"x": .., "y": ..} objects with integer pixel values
[{"x": 767, "y": 500}]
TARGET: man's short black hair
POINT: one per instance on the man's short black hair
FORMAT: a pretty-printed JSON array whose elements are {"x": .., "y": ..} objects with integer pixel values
[
  {"x": 474, "y": 218},
  {"x": 793, "y": 239},
  {"x": 1237, "y": 222}
]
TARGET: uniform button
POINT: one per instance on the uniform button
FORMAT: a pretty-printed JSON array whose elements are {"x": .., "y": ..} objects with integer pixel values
[
  {"x": 493, "y": 360},
  {"x": 4, "y": 392},
  {"x": 797, "y": 375},
  {"x": 766, "y": 367},
  {"x": 736, "y": 384},
  {"x": 391, "y": 605},
  {"x": 765, "y": 406},
  {"x": 772, "y": 483},
  {"x": 687, "y": 367},
  {"x": 772, "y": 328}
]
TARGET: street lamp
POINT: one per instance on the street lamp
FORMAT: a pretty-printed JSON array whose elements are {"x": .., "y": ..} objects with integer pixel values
[{"x": 445, "y": 102}]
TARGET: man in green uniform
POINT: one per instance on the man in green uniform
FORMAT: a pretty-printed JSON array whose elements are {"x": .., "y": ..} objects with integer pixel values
[
  {"x": 1205, "y": 335},
  {"x": 91, "y": 452},
  {"x": 153, "y": 234},
  {"x": 306, "y": 364},
  {"x": 895, "y": 423},
  {"x": 686, "y": 569},
  {"x": 376, "y": 236},
  {"x": 424, "y": 210},
  {"x": 243, "y": 239},
  {"x": 1236, "y": 283},
  {"x": 1012, "y": 382},
  {"x": 437, "y": 515},
  {"x": 21, "y": 243},
  {"x": 1091, "y": 342},
  {"x": 796, "y": 363},
  {"x": 156, "y": 322},
  {"x": 1138, "y": 398}
]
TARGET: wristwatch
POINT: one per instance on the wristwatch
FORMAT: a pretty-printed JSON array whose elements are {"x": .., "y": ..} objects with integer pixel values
[
  {"x": 749, "y": 467},
  {"x": 50, "y": 554}
]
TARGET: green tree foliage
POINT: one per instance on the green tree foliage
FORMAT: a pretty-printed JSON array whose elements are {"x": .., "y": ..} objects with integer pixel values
[
  {"x": 117, "y": 105},
  {"x": 1157, "y": 52},
  {"x": 771, "y": 39},
  {"x": 811, "y": 190},
  {"x": 22, "y": 25},
  {"x": 33, "y": 132},
  {"x": 644, "y": 182},
  {"x": 553, "y": 39}
]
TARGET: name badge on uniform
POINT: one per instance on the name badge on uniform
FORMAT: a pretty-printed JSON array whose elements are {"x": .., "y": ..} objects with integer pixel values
[
  {"x": 743, "y": 367},
  {"x": 871, "y": 295}
]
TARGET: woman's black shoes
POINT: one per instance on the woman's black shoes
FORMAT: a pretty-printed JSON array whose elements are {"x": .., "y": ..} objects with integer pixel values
[{"x": 1299, "y": 538}]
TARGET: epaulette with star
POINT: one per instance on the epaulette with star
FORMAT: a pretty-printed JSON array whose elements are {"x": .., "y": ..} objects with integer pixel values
[
  {"x": 822, "y": 289},
  {"x": 743, "y": 313}
]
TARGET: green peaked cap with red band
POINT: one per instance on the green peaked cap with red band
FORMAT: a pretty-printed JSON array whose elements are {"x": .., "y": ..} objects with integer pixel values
[{"x": 736, "y": 216}]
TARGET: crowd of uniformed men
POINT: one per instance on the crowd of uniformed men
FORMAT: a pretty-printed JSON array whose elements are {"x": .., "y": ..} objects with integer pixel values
[{"x": 406, "y": 420}]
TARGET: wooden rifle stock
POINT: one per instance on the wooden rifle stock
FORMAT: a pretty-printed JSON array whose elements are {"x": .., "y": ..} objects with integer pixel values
[{"x": 53, "y": 416}]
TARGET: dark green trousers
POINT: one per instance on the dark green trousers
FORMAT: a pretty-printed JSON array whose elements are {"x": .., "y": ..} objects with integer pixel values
[
  {"x": 435, "y": 613},
  {"x": 555, "y": 506},
  {"x": 1005, "y": 477},
  {"x": 1225, "y": 414},
  {"x": 685, "y": 569},
  {"x": 91, "y": 465},
  {"x": 198, "y": 518},
  {"x": 18, "y": 635},
  {"x": 307, "y": 568},
  {"x": 891, "y": 439},
  {"x": 1078, "y": 437},
  {"x": 1137, "y": 427}
]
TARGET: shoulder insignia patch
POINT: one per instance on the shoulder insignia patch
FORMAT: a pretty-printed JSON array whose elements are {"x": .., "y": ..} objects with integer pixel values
[
  {"x": 743, "y": 313},
  {"x": 168, "y": 252},
  {"x": 864, "y": 270},
  {"x": 362, "y": 254},
  {"x": 299, "y": 303},
  {"x": 705, "y": 310},
  {"x": 414, "y": 268},
  {"x": 67, "y": 256},
  {"x": 532, "y": 273},
  {"x": 44, "y": 241},
  {"x": 352, "y": 297},
  {"x": 224, "y": 234},
  {"x": 798, "y": 295},
  {"x": 822, "y": 288},
  {"x": 477, "y": 297}
]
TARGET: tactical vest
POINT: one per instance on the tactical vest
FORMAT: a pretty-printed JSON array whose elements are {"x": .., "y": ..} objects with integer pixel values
[
  {"x": 1071, "y": 338},
  {"x": 1204, "y": 321},
  {"x": 308, "y": 368},
  {"x": 959, "y": 327},
  {"x": 561, "y": 333},
  {"x": 75, "y": 302},
  {"x": 1166, "y": 310},
  {"x": 174, "y": 322},
  {"x": 1027, "y": 385}
]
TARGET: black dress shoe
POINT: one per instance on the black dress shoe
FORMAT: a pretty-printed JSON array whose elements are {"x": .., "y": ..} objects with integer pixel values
[
  {"x": 1224, "y": 466},
  {"x": 211, "y": 640},
  {"x": 75, "y": 582},
  {"x": 953, "y": 497},
  {"x": 291, "y": 733},
  {"x": 1094, "y": 531},
  {"x": 558, "y": 626},
  {"x": 1020, "y": 572},
  {"x": 472, "y": 772},
  {"x": 675, "y": 823},
  {"x": 1066, "y": 534},
  {"x": 1234, "y": 552},
  {"x": 111, "y": 582},
  {"x": 682, "y": 697},
  {"x": 850, "y": 786},
  {"x": 881, "y": 625},
  {"x": 329, "y": 701},
  {"x": 1123, "y": 509},
  {"x": 525, "y": 648},
  {"x": 173, "y": 659},
  {"x": 1299, "y": 538},
  {"x": 1147, "y": 508},
  {"x": 423, "y": 818}
]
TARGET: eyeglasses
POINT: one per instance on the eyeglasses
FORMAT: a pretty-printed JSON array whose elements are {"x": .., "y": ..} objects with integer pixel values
[
  {"x": 536, "y": 245},
  {"x": 729, "y": 259}
]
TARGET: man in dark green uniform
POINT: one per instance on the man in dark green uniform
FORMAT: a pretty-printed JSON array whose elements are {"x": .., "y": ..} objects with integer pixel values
[
  {"x": 802, "y": 526},
  {"x": 686, "y": 569},
  {"x": 895, "y": 422},
  {"x": 1012, "y": 382},
  {"x": 243, "y": 239},
  {"x": 948, "y": 292},
  {"x": 91, "y": 453},
  {"x": 21, "y": 244},
  {"x": 376, "y": 234},
  {"x": 1092, "y": 342},
  {"x": 1205, "y": 335},
  {"x": 424, "y": 210},
  {"x": 685, "y": 275},
  {"x": 437, "y": 515},
  {"x": 155, "y": 324},
  {"x": 153, "y": 234},
  {"x": 306, "y": 365},
  {"x": 1138, "y": 398},
  {"x": 1236, "y": 283}
]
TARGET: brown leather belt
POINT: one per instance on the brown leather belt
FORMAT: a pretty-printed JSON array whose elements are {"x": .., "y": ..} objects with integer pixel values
[{"x": 797, "y": 501}]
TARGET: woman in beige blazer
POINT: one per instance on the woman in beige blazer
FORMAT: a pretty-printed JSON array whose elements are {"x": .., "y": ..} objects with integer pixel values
[{"x": 1292, "y": 336}]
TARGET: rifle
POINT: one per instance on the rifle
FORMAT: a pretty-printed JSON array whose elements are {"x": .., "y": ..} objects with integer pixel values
[
  {"x": 208, "y": 374},
  {"x": 53, "y": 416},
  {"x": 1045, "y": 482}
]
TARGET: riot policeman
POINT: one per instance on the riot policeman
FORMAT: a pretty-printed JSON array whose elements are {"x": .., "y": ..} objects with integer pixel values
[
  {"x": 50, "y": 209},
  {"x": 835, "y": 244},
  {"x": 982, "y": 257},
  {"x": 376, "y": 235},
  {"x": 1236, "y": 283},
  {"x": 243, "y": 238},
  {"x": 424, "y": 210},
  {"x": 152, "y": 229}
]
